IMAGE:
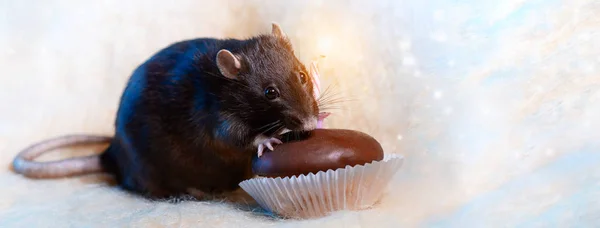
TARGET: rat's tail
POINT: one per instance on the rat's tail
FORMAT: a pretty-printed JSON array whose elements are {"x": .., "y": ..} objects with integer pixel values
[{"x": 24, "y": 164}]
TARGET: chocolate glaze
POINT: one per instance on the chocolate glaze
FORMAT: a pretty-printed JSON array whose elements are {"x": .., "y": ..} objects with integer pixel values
[{"x": 318, "y": 150}]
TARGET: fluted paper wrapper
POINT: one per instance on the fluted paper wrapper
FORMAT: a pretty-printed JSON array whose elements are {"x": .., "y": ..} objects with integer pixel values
[{"x": 314, "y": 195}]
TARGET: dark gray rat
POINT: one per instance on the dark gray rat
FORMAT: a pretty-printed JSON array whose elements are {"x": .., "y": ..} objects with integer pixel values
[{"x": 192, "y": 117}]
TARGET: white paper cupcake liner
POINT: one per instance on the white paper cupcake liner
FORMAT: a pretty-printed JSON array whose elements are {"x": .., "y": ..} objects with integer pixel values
[{"x": 314, "y": 195}]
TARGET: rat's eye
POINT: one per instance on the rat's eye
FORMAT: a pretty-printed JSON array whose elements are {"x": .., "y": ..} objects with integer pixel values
[
  {"x": 271, "y": 93},
  {"x": 303, "y": 77}
]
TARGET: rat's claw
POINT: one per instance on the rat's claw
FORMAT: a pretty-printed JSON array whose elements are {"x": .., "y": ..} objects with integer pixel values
[
  {"x": 260, "y": 150},
  {"x": 276, "y": 141},
  {"x": 268, "y": 143}
]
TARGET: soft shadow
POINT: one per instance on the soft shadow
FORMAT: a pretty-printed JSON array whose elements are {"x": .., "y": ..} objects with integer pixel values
[{"x": 242, "y": 201}]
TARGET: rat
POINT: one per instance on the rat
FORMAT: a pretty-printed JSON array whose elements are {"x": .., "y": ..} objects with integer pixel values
[{"x": 193, "y": 115}]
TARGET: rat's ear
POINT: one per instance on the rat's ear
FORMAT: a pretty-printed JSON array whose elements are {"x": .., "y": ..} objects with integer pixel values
[
  {"x": 276, "y": 31},
  {"x": 228, "y": 64}
]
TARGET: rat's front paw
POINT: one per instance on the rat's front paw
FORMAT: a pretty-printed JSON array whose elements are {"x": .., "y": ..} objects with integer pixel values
[{"x": 266, "y": 143}]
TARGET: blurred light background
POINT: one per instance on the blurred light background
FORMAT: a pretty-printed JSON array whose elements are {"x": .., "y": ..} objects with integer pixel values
[{"x": 494, "y": 104}]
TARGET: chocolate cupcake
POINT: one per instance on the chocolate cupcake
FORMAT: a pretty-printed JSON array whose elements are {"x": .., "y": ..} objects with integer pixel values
[{"x": 320, "y": 172}]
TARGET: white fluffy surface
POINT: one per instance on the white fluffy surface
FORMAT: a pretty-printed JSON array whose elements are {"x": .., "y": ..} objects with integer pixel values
[{"x": 494, "y": 104}]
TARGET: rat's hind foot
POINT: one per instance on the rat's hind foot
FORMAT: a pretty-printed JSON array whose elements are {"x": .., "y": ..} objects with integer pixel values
[{"x": 267, "y": 143}]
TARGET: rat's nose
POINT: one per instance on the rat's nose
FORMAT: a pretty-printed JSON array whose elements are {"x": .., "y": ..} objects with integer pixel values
[{"x": 321, "y": 118}]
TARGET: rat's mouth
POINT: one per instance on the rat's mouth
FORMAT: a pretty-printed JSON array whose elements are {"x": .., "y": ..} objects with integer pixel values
[
  {"x": 305, "y": 127},
  {"x": 291, "y": 136},
  {"x": 287, "y": 135}
]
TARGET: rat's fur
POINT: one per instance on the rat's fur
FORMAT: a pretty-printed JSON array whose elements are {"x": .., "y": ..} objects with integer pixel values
[{"x": 181, "y": 124}]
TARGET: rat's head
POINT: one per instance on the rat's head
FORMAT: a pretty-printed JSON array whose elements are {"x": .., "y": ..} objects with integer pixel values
[{"x": 275, "y": 88}]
